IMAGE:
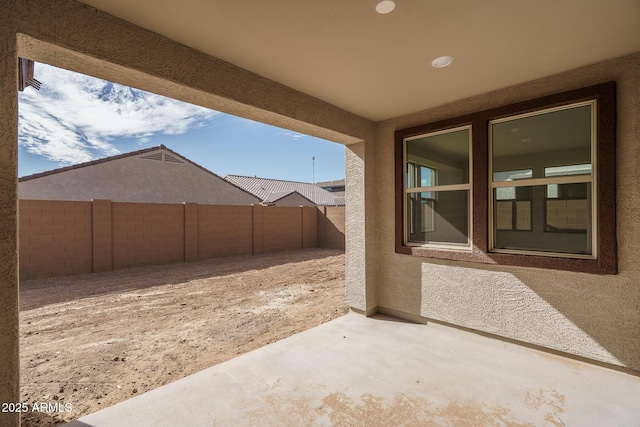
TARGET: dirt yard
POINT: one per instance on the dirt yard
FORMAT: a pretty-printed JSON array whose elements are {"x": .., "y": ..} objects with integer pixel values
[{"x": 88, "y": 342}]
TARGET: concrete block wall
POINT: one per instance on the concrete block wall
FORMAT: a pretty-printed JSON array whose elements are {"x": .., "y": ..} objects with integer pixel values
[
  {"x": 568, "y": 214},
  {"x": 224, "y": 231},
  {"x": 310, "y": 227},
  {"x": 281, "y": 228},
  {"x": 64, "y": 238},
  {"x": 54, "y": 238},
  {"x": 147, "y": 234},
  {"x": 191, "y": 231},
  {"x": 102, "y": 235},
  {"x": 331, "y": 227}
]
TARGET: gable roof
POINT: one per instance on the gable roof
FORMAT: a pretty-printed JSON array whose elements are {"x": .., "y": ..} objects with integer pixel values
[
  {"x": 270, "y": 190},
  {"x": 274, "y": 197},
  {"x": 110, "y": 178},
  {"x": 111, "y": 158}
]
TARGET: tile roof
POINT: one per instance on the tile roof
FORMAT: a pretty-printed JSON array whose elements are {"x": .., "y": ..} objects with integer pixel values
[{"x": 270, "y": 190}]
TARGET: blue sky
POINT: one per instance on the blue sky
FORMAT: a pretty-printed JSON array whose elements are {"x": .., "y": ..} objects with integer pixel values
[{"x": 76, "y": 118}]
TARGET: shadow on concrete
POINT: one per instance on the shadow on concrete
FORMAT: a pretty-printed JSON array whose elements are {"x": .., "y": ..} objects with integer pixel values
[{"x": 39, "y": 292}]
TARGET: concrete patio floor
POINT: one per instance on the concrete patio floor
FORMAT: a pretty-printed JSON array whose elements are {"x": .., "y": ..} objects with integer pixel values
[{"x": 379, "y": 371}]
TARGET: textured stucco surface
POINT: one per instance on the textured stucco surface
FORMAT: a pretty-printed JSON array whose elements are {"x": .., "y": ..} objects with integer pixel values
[
  {"x": 355, "y": 264},
  {"x": 137, "y": 179},
  {"x": 360, "y": 229},
  {"x": 591, "y": 316},
  {"x": 293, "y": 199},
  {"x": 9, "y": 362}
]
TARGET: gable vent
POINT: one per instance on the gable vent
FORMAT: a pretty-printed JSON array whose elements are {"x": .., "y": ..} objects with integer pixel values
[
  {"x": 169, "y": 158},
  {"x": 153, "y": 156}
]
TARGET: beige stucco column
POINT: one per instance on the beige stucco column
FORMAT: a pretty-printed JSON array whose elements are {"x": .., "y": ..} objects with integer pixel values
[
  {"x": 9, "y": 337},
  {"x": 360, "y": 277}
]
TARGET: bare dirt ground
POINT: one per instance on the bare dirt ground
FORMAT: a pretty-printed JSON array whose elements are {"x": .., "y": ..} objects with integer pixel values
[{"x": 88, "y": 342}]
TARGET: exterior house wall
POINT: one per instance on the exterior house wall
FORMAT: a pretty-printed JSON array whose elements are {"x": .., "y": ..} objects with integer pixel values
[
  {"x": 74, "y": 36},
  {"x": 137, "y": 179},
  {"x": 9, "y": 302},
  {"x": 294, "y": 199},
  {"x": 590, "y": 316}
]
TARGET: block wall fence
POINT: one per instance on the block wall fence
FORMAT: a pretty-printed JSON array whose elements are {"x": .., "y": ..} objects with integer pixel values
[{"x": 65, "y": 238}]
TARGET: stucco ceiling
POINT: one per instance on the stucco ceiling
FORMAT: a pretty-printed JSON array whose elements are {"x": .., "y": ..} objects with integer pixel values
[{"x": 379, "y": 66}]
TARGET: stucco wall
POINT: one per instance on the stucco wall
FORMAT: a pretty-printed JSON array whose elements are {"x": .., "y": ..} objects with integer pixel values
[
  {"x": 137, "y": 179},
  {"x": 9, "y": 337},
  {"x": 294, "y": 199},
  {"x": 591, "y": 316}
]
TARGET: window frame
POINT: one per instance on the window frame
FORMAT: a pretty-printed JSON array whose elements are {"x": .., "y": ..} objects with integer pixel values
[
  {"x": 604, "y": 181},
  {"x": 437, "y": 188},
  {"x": 549, "y": 180}
]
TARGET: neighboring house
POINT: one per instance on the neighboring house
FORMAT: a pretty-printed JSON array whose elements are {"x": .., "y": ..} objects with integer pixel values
[
  {"x": 152, "y": 175},
  {"x": 336, "y": 187},
  {"x": 286, "y": 193}
]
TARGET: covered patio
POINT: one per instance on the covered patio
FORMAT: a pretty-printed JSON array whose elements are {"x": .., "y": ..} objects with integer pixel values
[
  {"x": 344, "y": 72},
  {"x": 382, "y": 371}
]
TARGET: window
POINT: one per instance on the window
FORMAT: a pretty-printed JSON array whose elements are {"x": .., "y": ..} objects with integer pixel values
[
  {"x": 438, "y": 188},
  {"x": 512, "y": 209},
  {"x": 530, "y": 184},
  {"x": 557, "y": 145}
]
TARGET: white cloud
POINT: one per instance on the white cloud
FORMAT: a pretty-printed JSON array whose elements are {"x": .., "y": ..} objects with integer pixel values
[
  {"x": 76, "y": 118},
  {"x": 293, "y": 135}
]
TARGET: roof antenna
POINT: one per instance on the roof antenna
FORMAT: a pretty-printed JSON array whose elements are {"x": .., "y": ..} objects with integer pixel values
[{"x": 313, "y": 161}]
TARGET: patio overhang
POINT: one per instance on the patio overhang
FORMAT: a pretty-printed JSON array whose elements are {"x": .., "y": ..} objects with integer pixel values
[{"x": 590, "y": 316}]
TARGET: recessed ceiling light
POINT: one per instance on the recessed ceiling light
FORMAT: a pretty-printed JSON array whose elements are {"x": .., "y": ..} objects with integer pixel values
[
  {"x": 442, "y": 61},
  {"x": 385, "y": 6}
]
